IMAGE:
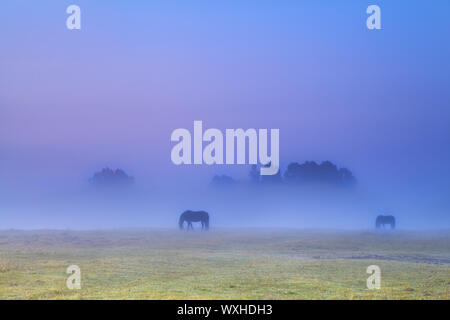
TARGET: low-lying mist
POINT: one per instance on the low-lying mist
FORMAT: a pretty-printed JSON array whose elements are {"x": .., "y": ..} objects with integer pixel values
[{"x": 242, "y": 204}]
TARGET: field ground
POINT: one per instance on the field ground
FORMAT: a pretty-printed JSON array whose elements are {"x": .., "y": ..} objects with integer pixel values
[{"x": 224, "y": 264}]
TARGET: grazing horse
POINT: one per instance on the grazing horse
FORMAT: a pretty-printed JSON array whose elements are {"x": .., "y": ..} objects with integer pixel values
[
  {"x": 194, "y": 216},
  {"x": 383, "y": 220}
]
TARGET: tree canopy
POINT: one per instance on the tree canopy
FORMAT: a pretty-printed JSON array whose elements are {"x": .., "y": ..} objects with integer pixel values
[
  {"x": 308, "y": 173},
  {"x": 311, "y": 172},
  {"x": 109, "y": 177}
]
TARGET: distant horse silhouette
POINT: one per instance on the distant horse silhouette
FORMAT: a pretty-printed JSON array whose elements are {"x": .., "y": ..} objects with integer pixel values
[
  {"x": 381, "y": 221},
  {"x": 194, "y": 216}
]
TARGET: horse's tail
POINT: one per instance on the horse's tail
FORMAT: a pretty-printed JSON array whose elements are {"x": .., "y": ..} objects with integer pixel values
[{"x": 207, "y": 222}]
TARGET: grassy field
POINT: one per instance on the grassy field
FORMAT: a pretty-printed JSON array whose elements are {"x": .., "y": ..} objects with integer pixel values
[{"x": 224, "y": 264}]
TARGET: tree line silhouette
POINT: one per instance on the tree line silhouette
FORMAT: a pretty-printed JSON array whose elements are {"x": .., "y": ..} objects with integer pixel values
[
  {"x": 310, "y": 172},
  {"x": 108, "y": 177}
]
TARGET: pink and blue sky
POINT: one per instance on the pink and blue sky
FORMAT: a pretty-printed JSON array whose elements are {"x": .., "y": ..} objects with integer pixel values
[{"x": 110, "y": 94}]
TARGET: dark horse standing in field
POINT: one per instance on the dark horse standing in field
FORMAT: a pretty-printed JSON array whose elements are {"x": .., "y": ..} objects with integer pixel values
[
  {"x": 194, "y": 216},
  {"x": 383, "y": 220}
]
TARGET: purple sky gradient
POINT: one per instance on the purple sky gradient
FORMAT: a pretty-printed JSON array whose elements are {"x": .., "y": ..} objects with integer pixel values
[{"x": 377, "y": 102}]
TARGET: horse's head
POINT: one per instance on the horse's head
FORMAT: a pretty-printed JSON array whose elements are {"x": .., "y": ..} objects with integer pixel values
[{"x": 181, "y": 220}]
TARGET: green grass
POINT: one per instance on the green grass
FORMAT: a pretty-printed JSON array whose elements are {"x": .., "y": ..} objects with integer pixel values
[{"x": 224, "y": 264}]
